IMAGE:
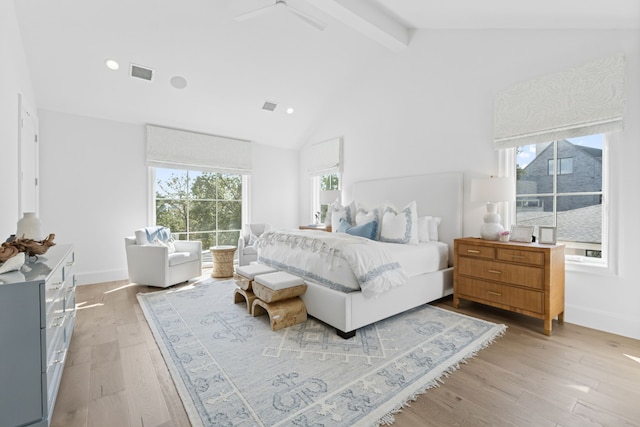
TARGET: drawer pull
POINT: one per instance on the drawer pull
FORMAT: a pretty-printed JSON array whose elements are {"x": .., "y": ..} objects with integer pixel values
[
  {"x": 55, "y": 362},
  {"x": 57, "y": 285},
  {"x": 495, "y": 271},
  {"x": 473, "y": 251},
  {"x": 497, "y": 294},
  {"x": 70, "y": 263}
]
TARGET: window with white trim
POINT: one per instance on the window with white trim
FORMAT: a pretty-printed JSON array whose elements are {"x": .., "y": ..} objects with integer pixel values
[
  {"x": 323, "y": 183},
  {"x": 570, "y": 198},
  {"x": 196, "y": 205}
]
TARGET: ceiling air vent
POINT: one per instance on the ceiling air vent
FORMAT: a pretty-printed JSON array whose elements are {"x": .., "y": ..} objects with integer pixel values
[
  {"x": 269, "y": 106},
  {"x": 141, "y": 72}
]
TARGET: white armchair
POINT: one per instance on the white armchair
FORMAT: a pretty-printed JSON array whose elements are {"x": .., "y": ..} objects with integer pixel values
[
  {"x": 247, "y": 252},
  {"x": 154, "y": 265}
]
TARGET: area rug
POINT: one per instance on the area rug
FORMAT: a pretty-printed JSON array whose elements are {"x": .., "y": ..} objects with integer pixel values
[{"x": 231, "y": 369}]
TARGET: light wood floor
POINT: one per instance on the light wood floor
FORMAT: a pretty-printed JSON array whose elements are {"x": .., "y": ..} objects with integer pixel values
[{"x": 115, "y": 375}]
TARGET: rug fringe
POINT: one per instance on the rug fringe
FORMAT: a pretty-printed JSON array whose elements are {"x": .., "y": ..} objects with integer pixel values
[{"x": 389, "y": 418}]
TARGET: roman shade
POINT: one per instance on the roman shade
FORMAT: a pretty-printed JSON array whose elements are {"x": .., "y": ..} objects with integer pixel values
[
  {"x": 324, "y": 157},
  {"x": 173, "y": 148},
  {"x": 583, "y": 100}
]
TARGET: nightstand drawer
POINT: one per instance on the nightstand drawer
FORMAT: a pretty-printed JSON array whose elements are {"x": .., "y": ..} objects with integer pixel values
[
  {"x": 523, "y": 257},
  {"x": 501, "y": 294},
  {"x": 476, "y": 251},
  {"x": 521, "y": 275}
]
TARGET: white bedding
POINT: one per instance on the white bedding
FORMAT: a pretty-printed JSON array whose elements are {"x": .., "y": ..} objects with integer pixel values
[
  {"x": 421, "y": 258},
  {"x": 347, "y": 263}
]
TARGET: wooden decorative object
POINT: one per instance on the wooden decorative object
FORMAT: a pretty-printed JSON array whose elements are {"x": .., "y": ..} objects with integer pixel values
[
  {"x": 29, "y": 246},
  {"x": 282, "y": 314}
]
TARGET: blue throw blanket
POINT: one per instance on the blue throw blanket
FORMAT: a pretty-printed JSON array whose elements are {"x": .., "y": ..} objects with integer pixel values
[{"x": 161, "y": 233}]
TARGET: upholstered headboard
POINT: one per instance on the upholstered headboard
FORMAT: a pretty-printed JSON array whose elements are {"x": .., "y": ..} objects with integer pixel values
[{"x": 437, "y": 194}]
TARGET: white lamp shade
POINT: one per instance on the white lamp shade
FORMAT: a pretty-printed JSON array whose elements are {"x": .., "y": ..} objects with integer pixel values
[
  {"x": 492, "y": 190},
  {"x": 329, "y": 196}
]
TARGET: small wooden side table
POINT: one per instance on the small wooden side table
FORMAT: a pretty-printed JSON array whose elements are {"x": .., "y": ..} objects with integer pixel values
[
  {"x": 222, "y": 261},
  {"x": 316, "y": 227}
]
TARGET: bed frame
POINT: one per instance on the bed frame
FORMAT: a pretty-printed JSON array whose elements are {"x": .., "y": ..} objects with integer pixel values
[{"x": 438, "y": 194}]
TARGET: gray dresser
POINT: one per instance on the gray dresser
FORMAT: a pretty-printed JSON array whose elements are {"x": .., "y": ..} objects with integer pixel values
[{"x": 37, "y": 314}]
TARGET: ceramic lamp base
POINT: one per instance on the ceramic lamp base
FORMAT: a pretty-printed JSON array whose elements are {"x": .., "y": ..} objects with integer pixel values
[{"x": 491, "y": 228}]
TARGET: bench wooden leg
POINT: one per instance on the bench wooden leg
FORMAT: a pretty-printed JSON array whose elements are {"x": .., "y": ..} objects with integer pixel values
[
  {"x": 240, "y": 295},
  {"x": 282, "y": 314}
]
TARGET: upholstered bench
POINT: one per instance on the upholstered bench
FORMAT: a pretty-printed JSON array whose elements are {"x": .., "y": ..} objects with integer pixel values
[
  {"x": 244, "y": 277},
  {"x": 278, "y": 295}
]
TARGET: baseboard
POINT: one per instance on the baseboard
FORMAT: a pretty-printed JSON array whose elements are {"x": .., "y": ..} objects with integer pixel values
[
  {"x": 603, "y": 321},
  {"x": 101, "y": 277}
]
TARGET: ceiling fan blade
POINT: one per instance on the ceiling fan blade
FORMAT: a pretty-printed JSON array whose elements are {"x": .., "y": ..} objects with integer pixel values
[
  {"x": 253, "y": 13},
  {"x": 314, "y": 22}
]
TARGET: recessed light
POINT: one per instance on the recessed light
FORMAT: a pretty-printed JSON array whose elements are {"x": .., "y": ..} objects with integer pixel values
[
  {"x": 112, "y": 64},
  {"x": 178, "y": 82},
  {"x": 290, "y": 110}
]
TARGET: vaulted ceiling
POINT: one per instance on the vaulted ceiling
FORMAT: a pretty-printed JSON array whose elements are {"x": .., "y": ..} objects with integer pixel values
[{"x": 231, "y": 67}]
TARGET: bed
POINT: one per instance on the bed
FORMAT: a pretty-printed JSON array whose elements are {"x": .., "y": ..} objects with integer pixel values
[{"x": 438, "y": 195}]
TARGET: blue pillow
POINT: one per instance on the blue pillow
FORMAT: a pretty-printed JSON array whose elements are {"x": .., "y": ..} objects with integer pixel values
[{"x": 368, "y": 230}]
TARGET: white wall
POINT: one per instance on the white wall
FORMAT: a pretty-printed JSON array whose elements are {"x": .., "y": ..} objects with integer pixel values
[
  {"x": 14, "y": 79},
  {"x": 94, "y": 188},
  {"x": 274, "y": 186},
  {"x": 429, "y": 109}
]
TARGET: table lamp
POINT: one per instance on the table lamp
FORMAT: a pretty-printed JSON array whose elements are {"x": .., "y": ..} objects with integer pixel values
[
  {"x": 326, "y": 198},
  {"x": 492, "y": 191}
]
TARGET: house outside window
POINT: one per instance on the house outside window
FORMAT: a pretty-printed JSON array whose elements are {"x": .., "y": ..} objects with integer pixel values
[
  {"x": 203, "y": 206},
  {"x": 566, "y": 166},
  {"x": 569, "y": 198}
]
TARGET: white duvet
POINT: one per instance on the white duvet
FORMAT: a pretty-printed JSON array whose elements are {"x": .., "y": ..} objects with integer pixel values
[{"x": 337, "y": 260}]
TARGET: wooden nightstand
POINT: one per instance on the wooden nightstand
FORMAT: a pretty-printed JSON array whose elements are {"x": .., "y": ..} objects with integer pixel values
[
  {"x": 526, "y": 278},
  {"x": 316, "y": 227}
]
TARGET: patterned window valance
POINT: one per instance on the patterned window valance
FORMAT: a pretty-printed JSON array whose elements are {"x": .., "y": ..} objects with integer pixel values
[
  {"x": 181, "y": 149},
  {"x": 324, "y": 157},
  {"x": 579, "y": 101}
]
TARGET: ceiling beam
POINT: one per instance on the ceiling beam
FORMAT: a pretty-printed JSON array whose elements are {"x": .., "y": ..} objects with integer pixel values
[{"x": 369, "y": 19}]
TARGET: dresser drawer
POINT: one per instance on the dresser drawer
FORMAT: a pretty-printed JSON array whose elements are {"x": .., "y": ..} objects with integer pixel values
[
  {"x": 68, "y": 266},
  {"x": 522, "y": 257},
  {"x": 476, "y": 251},
  {"x": 496, "y": 293},
  {"x": 522, "y": 275}
]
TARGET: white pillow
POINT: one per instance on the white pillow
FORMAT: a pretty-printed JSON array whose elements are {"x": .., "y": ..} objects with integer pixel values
[
  {"x": 400, "y": 226},
  {"x": 169, "y": 244},
  {"x": 365, "y": 215},
  {"x": 424, "y": 222},
  {"x": 433, "y": 228},
  {"x": 338, "y": 211}
]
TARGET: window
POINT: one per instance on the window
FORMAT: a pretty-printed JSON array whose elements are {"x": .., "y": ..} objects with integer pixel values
[
  {"x": 321, "y": 183},
  {"x": 561, "y": 184},
  {"x": 203, "y": 206},
  {"x": 566, "y": 166}
]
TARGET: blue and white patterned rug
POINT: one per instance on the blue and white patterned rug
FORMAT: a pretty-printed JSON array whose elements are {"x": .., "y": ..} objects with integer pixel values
[{"x": 231, "y": 369}]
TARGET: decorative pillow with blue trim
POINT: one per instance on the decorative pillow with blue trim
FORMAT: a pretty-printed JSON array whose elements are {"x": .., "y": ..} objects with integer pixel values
[
  {"x": 400, "y": 226},
  {"x": 368, "y": 230},
  {"x": 339, "y": 212},
  {"x": 365, "y": 215}
]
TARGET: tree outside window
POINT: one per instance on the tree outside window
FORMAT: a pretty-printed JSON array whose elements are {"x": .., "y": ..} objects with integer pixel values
[
  {"x": 328, "y": 182},
  {"x": 201, "y": 206},
  {"x": 560, "y": 184}
]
